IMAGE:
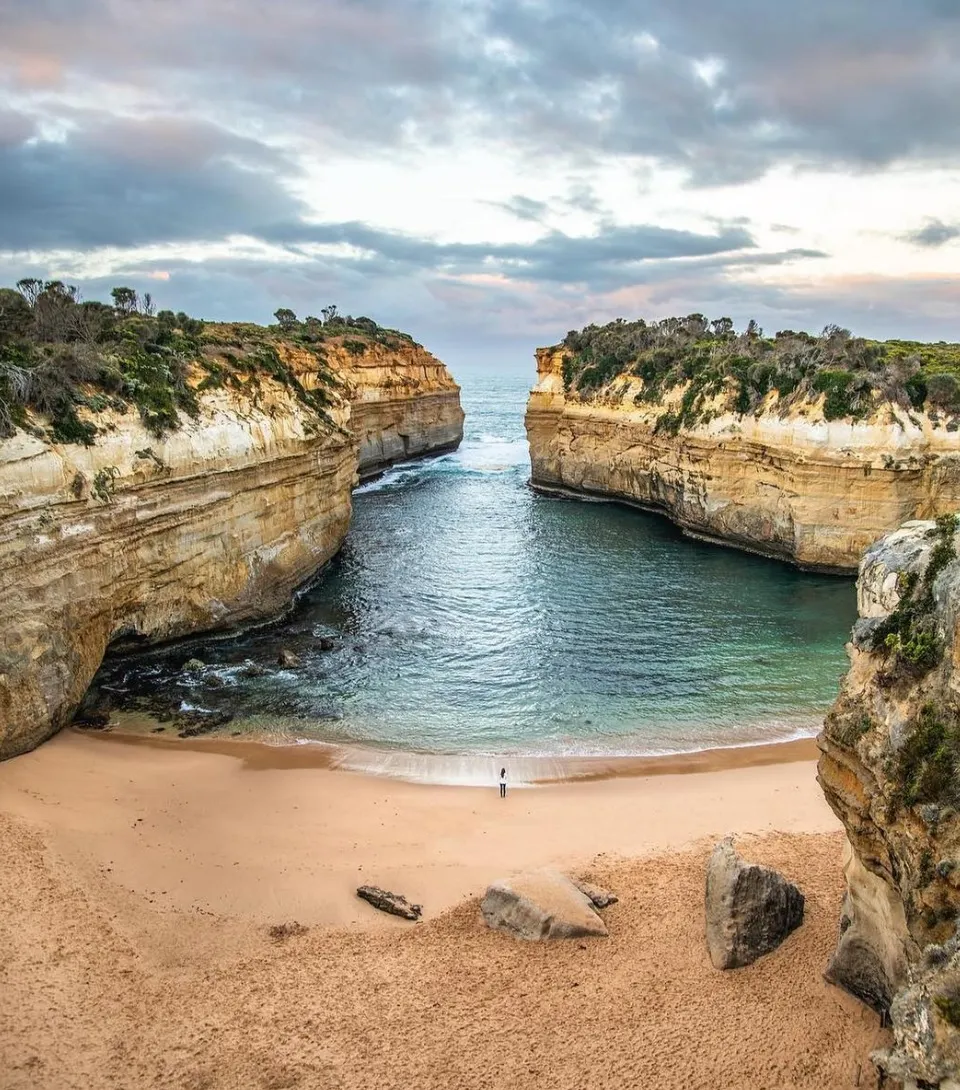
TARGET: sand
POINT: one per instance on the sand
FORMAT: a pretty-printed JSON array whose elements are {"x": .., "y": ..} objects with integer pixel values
[{"x": 139, "y": 885}]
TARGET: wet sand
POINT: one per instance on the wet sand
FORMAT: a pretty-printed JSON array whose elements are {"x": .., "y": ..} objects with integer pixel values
[
  {"x": 140, "y": 882},
  {"x": 269, "y": 752}
]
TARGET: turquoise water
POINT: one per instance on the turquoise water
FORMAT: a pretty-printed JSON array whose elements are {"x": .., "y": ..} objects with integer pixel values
[{"x": 472, "y": 616}]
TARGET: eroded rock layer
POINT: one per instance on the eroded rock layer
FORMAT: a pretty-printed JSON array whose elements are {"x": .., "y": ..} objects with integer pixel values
[
  {"x": 793, "y": 486},
  {"x": 404, "y": 404},
  {"x": 890, "y": 769},
  {"x": 137, "y": 540}
]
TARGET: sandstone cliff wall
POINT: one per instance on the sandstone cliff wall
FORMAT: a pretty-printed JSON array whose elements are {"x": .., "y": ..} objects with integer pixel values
[
  {"x": 797, "y": 487},
  {"x": 140, "y": 540},
  {"x": 404, "y": 404},
  {"x": 890, "y": 769}
]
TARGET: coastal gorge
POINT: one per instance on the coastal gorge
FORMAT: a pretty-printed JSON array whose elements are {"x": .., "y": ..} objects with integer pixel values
[
  {"x": 161, "y": 476},
  {"x": 797, "y": 447}
]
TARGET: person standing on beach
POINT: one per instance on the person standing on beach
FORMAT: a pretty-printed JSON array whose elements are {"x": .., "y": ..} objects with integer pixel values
[{"x": 503, "y": 783}]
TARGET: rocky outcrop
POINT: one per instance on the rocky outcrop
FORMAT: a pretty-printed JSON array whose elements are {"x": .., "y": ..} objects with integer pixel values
[
  {"x": 750, "y": 909},
  {"x": 890, "y": 769},
  {"x": 540, "y": 905},
  {"x": 395, "y": 904},
  {"x": 404, "y": 404},
  {"x": 793, "y": 486},
  {"x": 136, "y": 540}
]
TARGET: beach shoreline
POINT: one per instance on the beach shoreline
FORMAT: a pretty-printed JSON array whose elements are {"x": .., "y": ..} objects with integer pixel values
[{"x": 464, "y": 769}]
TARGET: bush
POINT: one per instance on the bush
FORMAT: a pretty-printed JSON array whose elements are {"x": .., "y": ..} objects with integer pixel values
[
  {"x": 928, "y": 761},
  {"x": 943, "y": 390},
  {"x": 59, "y": 355},
  {"x": 853, "y": 374},
  {"x": 836, "y": 386}
]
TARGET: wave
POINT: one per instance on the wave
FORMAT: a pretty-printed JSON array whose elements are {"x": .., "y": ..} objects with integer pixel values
[{"x": 481, "y": 455}]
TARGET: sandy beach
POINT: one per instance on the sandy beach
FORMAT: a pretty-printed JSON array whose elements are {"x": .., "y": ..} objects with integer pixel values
[{"x": 141, "y": 881}]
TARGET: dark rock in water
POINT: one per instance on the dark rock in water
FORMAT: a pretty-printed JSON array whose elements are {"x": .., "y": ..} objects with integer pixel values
[
  {"x": 596, "y": 895},
  {"x": 157, "y": 730},
  {"x": 252, "y": 669},
  {"x": 213, "y": 681},
  {"x": 327, "y": 644},
  {"x": 287, "y": 659},
  {"x": 393, "y": 903},
  {"x": 193, "y": 724},
  {"x": 750, "y": 909},
  {"x": 193, "y": 666}
]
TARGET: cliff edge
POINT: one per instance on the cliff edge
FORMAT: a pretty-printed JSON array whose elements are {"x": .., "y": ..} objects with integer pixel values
[
  {"x": 802, "y": 448},
  {"x": 162, "y": 476},
  {"x": 890, "y": 769}
]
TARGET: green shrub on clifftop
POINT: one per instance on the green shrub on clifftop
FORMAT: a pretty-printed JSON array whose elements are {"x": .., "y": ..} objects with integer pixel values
[
  {"x": 709, "y": 358},
  {"x": 64, "y": 360}
]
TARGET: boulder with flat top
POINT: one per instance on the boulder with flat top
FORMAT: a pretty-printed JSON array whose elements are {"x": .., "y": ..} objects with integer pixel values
[
  {"x": 750, "y": 909},
  {"x": 540, "y": 905}
]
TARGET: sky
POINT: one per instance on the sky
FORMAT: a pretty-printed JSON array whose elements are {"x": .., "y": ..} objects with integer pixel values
[{"x": 488, "y": 174}]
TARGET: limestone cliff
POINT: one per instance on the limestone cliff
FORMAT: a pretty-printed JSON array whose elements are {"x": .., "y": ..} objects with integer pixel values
[
  {"x": 890, "y": 769},
  {"x": 404, "y": 404},
  {"x": 782, "y": 481},
  {"x": 137, "y": 539}
]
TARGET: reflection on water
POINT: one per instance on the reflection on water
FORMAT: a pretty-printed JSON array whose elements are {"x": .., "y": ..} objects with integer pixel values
[{"x": 470, "y": 615}]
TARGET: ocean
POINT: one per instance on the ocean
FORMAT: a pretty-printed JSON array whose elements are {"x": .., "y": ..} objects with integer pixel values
[{"x": 472, "y": 616}]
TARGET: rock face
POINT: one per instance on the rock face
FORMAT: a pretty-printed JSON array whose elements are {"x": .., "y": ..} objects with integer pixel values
[
  {"x": 404, "y": 404},
  {"x": 796, "y": 487},
  {"x": 890, "y": 769},
  {"x": 750, "y": 909},
  {"x": 137, "y": 540},
  {"x": 541, "y": 905}
]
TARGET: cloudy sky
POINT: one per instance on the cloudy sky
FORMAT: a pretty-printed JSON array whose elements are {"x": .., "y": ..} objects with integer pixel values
[{"x": 491, "y": 173}]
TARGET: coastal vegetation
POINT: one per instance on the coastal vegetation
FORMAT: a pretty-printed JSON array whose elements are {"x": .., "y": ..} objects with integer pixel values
[
  {"x": 909, "y": 635},
  {"x": 928, "y": 761},
  {"x": 709, "y": 359},
  {"x": 64, "y": 361}
]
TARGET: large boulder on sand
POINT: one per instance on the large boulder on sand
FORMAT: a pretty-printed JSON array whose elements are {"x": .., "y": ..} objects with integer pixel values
[
  {"x": 750, "y": 909},
  {"x": 540, "y": 905}
]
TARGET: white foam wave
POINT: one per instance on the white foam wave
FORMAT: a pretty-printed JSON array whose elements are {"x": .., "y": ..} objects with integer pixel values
[{"x": 491, "y": 454}]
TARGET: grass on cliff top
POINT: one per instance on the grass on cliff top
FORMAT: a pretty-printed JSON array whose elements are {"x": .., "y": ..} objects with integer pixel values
[
  {"x": 60, "y": 355},
  {"x": 854, "y": 376}
]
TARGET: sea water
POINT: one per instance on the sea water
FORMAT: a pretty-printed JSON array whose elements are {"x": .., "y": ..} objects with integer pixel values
[{"x": 472, "y": 616}]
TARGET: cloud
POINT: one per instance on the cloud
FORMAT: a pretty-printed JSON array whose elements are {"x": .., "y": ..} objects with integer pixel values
[
  {"x": 211, "y": 134},
  {"x": 121, "y": 182},
  {"x": 722, "y": 88},
  {"x": 934, "y": 233},
  {"x": 613, "y": 255},
  {"x": 524, "y": 208}
]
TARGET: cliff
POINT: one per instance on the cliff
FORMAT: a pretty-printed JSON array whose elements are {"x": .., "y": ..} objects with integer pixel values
[
  {"x": 404, "y": 403},
  {"x": 890, "y": 769},
  {"x": 203, "y": 511},
  {"x": 778, "y": 479}
]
